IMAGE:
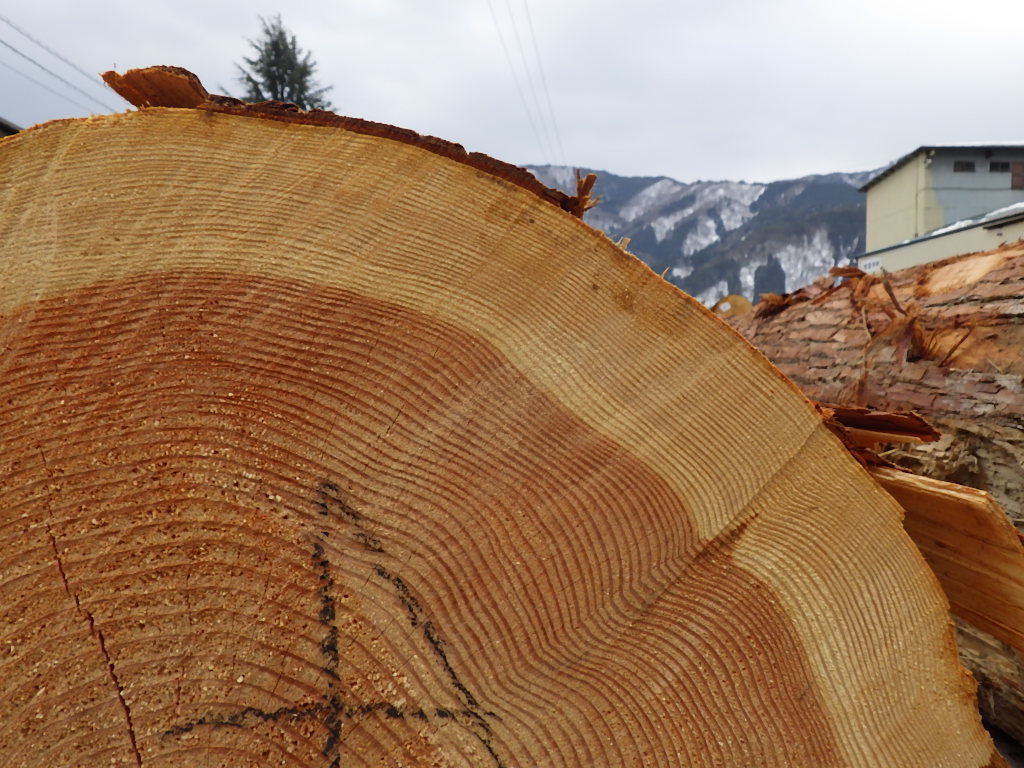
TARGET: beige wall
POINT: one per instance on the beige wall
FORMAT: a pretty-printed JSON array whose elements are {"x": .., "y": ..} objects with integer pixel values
[
  {"x": 902, "y": 206},
  {"x": 927, "y": 193},
  {"x": 940, "y": 247}
]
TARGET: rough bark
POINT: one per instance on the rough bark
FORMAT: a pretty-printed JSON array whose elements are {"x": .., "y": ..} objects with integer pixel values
[
  {"x": 943, "y": 339},
  {"x": 322, "y": 447}
]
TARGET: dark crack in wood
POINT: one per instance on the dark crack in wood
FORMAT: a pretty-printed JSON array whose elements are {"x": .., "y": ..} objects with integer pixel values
[{"x": 101, "y": 641}]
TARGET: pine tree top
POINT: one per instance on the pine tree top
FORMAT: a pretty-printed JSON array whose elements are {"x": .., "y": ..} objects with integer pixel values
[{"x": 280, "y": 70}]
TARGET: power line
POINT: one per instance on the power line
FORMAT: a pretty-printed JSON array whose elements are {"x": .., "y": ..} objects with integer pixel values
[
  {"x": 515, "y": 78},
  {"x": 72, "y": 86},
  {"x": 90, "y": 76},
  {"x": 529, "y": 77},
  {"x": 44, "y": 86},
  {"x": 544, "y": 84}
]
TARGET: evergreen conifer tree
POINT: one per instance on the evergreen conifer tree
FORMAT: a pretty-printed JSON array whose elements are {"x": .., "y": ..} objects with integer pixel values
[{"x": 280, "y": 70}]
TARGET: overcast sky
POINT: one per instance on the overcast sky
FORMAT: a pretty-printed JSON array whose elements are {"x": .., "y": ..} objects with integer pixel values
[{"x": 753, "y": 90}]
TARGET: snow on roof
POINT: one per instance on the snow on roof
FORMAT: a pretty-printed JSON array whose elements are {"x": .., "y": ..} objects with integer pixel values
[
  {"x": 1014, "y": 211},
  {"x": 985, "y": 218},
  {"x": 1000, "y": 212}
]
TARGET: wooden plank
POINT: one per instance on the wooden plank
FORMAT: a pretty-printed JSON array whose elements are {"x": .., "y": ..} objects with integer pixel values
[{"x": 972, "y": 546}]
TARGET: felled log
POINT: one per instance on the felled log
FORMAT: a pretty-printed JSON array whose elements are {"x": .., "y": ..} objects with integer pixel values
[
  {"x": 943, "y": 339},
  {"x": 325, "y": 444}
]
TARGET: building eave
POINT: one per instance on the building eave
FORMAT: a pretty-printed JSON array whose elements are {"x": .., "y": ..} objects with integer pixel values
[
  {"x": 892, "y": 168},
  {"x": 1012, "y": 218}
]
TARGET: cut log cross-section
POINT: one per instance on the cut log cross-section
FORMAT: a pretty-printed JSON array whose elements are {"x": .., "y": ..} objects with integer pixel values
[{"x": 322, "y": 447}]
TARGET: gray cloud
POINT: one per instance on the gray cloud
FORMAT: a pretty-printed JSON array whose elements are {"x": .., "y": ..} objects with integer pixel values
[{"x": 728, "y": 90}]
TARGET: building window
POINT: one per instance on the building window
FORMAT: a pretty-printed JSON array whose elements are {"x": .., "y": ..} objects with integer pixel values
[
  {"x": 963, "y": 166},
  {"x": 999, "y": 167},
  {"x": 1017, "y": 180}
]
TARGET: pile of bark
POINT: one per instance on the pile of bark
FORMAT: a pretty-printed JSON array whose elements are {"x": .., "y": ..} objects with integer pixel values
[{"x": 944, "y": 340}]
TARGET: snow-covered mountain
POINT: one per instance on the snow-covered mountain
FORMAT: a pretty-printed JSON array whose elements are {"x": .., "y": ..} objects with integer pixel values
[{"x": 714, "y": 238}]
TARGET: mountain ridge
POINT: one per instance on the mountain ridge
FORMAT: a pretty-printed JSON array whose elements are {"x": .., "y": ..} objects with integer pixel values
[{"x": 715, "y": 238}]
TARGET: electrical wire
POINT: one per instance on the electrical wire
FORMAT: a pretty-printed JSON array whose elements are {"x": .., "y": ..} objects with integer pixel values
[
  {"x": 515, "y": 78},
  {"x": 544, "y": 84},
  {"x": 72, "y": 86},
  {"x": 92, "y": 77},
  {"x": 44, "y": 86},
  {"x": 529, "y": 78}
]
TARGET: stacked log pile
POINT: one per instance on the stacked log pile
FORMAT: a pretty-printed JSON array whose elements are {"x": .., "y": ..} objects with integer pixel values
[
  {"x": 945, "y": 340},
  {"x": 325, "y": 444}
]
